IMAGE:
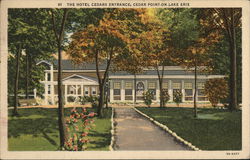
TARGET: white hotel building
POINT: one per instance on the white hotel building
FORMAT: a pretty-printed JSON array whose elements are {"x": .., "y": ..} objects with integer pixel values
[{"x": 81, "y": 80}]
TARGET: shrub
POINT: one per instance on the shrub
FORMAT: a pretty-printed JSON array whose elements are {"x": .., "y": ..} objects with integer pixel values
[
  {"x": 148, "y": 97},
  {"x": 71, "y": 99},
  {"x": 165, "y": 96},
  {"x": 216, "y": 90},
  {"x": 177, "y": 97},
  {"x": 78, "y": 126},
  {"x": 93, "y": 100},
  {"x": 83, "y": 100}
]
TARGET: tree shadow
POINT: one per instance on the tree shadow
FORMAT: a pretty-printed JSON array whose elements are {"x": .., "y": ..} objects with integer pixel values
[
  {"x": 18, "y": 127},
  {"x": 45, "y": 135},
  {"x": 100, "y": 143}
]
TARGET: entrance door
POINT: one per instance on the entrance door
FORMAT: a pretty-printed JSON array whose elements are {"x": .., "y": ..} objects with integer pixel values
[{"x": 140, "y": 87}]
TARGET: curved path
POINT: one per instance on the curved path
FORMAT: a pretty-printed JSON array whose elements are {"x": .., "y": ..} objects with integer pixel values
[{"x": 134, "y": 132}]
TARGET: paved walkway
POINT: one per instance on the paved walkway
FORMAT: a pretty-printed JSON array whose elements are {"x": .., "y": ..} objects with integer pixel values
[{"x": 134, "y": 132}]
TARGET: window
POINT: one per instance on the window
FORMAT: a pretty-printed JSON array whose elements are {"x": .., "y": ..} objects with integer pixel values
[
  {"x": 49, "y": 77},
  {"x": 176, "y": 85},
  {"x": 71, "y": 89},
  {"x": 93, "y": 90},
  {"x": 128, "y": 91},
  {"x": 188, "y": 91},
  {"x": 165, "y": 85},
  {"x": 117, "y": 91},
  {"x": 86, "y": 91},
  {"x": 152, "y": 88},
  {"x": 201, "y": 92},
  {"x": 49, "y": 89}
]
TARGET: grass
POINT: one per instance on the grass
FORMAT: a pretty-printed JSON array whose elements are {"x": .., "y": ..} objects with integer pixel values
[
  {"x": 37, "y": 130},
  {"x": 214, "y": 129}
]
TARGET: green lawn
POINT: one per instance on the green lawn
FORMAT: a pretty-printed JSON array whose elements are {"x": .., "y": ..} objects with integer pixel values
[
  {"x": 214, "y": 129},
  {"x": 37, "y": 130}
]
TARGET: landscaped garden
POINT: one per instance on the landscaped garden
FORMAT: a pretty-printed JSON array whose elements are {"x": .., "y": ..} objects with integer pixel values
[
  {"x": 214, "y": 129},
  {"x": 36, "y": 129}
]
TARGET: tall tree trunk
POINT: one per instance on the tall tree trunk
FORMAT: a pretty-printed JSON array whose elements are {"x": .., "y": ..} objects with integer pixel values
[
  {"x": 27, "y": 77},
  {"x": 59, "y": 38},
  {"x": 160, "y": 79},
  {"x": 233, "y": 67},
  {"x": 15, "y": 113},
  {"x": 134, "y": 89},
  {"x": 101, "y": 98},
  {"x": 61, "y": 122},
  {"x": 195, "y": 89},
  {"x": 107, "y": 91}
]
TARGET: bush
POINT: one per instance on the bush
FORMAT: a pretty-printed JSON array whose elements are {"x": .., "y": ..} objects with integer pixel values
[
  {"x": 78, "y": 126},
  {"x": 83, "y": 100},
  {"x": 71, "y": 99},
  {"x": 216, "y": 90},
  {"x": 148, "y": 97},
  {"x": 177, "y": 97},
  {"x": 165, "y": 96},
  {"x": 93, "y": 100}
]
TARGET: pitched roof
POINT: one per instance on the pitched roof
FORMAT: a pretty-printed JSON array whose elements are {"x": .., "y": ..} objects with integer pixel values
[{"x": 69, "y": 65}]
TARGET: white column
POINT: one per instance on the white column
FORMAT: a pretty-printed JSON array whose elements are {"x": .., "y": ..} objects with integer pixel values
[
  {"x": 35, "y": 92},
  {"x": 51, "y": 73},
  {"x": 111, "y": 91},
  {"x": 66, "y": 92},
  {"x": 183, "y": 90},
  {"x": 46, "y": 93},
  {"x": 46, "y": 76},
  {"x": 122, "y": 90},
  {"x": 52, "y": 85},
  {"x": 170, "y": 90},
  {"x": 82, "y": 91},
  {"x": 157, "y": 91}
]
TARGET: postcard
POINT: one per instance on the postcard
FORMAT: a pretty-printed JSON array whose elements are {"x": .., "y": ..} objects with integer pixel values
[{"x": 115, "y": 79}]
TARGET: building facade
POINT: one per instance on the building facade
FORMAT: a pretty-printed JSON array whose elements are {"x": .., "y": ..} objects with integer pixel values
[{"x": 81, "y": 80}]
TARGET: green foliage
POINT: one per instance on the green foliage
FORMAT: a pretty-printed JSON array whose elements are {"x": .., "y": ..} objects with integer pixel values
[
  {"x": 77, "y": 136},
  {"x": 93, "y": 100},
  {"x": 165, "y": 96},
  {"x": 148, "y": 97},
  {"x": 177, "y": 97},
  {"x": 216, "y": 90},
  {"x": 42, "y": 134}
]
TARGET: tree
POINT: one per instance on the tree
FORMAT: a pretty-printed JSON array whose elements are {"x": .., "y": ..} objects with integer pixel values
[
  {"x": 228, "y": 20},
  {"x": 192, "y": 40},
  {"x": 103, "y": 43},
  {"x": 216, "y": 90},
  {"x": 131, "y": 63},
  {"x": 154, "y": 44},
  {"x": 59, "y": 35},
  {"x": 28, "y": 26}
]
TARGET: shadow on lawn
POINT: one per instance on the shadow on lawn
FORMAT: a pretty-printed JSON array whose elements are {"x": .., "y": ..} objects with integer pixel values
[
  {"x": 18, "y": 127},
  {"x": 100, "y": 143}
]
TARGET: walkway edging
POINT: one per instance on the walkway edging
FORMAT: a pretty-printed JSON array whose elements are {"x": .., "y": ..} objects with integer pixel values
[
  {"x": 112, "y": 142},
  {"x": 165, "y": 128}
]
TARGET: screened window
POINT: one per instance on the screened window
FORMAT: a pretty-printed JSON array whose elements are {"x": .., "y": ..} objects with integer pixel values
[
  {"x": 48, "y": 77},
  {"x": 93, "y": 90},
  {"x": 49, "y": 89},
  {"x": 117, "y": 91},
  {"x": 201, "y": 92},
  {"x": 176, "y": 85},
  {"x": 86, "y": 91},
  {"x": 71, "y": 89},
  {"x": 165, "y": 85},
  {"x": 128, "y": 91},
  {"x": 152, "y": 88}
]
